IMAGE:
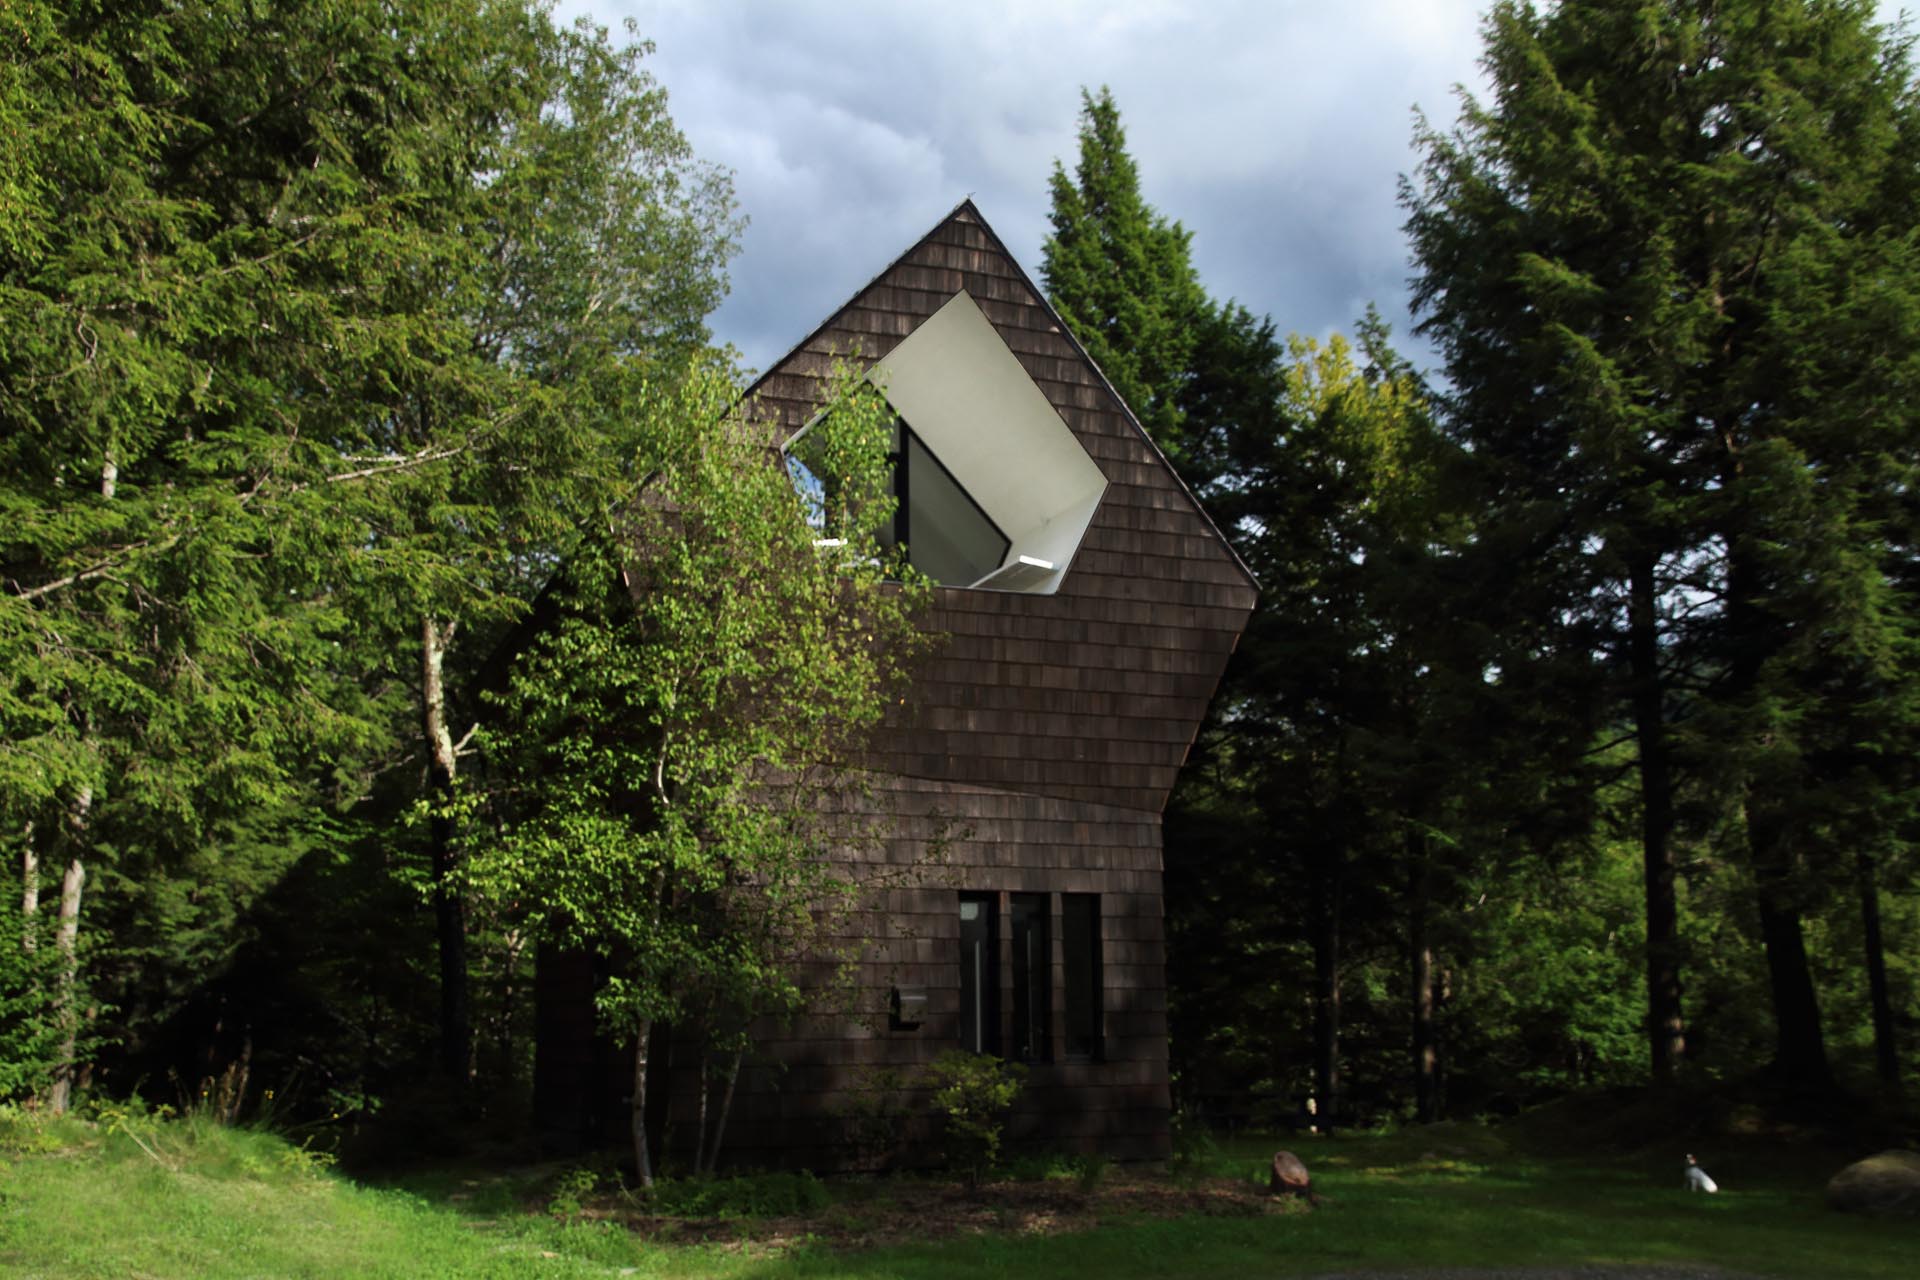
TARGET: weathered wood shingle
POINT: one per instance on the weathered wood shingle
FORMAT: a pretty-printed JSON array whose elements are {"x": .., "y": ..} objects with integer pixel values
[
  {"x": 1155, "y": 589},
  {"x": 1034, "y": 756}
]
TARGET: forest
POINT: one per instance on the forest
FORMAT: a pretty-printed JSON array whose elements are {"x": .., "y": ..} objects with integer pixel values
[{"x": 348, "y": 352}]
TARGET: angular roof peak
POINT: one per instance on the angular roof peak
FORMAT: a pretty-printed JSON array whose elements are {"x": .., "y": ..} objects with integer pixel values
[{"x": 917, "y": 284}]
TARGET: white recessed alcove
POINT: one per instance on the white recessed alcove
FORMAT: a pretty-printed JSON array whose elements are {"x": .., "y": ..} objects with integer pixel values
[{"x": 999, "y": 440}]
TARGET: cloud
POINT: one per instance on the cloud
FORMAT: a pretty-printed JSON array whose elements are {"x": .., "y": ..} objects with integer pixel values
[{"x": 1276, "y": 132}]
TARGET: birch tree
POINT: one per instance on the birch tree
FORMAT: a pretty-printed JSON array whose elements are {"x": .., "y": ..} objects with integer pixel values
[{"x": 675, "y": 734}]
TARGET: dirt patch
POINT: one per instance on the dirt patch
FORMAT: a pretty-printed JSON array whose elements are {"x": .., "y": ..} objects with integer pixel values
[{"x": 901, "y": 1210}]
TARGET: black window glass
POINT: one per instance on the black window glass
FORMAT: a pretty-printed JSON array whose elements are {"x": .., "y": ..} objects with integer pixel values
[
  {"x": 979, "y": 973},
  {"x": 1080, "y": 972},
  {"x": 1032, "y": 977}
]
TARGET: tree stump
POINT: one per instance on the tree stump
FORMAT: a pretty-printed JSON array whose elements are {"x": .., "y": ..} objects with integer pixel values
[{"x": 1290, "y": 1178}]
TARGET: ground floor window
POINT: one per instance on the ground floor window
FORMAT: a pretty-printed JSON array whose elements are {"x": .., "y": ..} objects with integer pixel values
[
  {"x": 1032, "y": 978},
  {"x": 1038, "y": 977},
  {"x": 1080, "y": 976},
  {"x": 979, "y": 972}
]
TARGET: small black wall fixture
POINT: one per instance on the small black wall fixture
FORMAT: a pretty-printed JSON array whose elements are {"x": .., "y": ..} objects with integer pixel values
[{"x": 908, "y": 1008}]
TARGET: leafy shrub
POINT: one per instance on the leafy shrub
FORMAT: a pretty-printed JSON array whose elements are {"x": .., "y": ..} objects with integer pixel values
[
  {"x": 757, "y": 1195},
  {"x": 972, "y": 1093},
  {"x": 30, "y": 1031},
  {"x": 572, "y": 1187},
  {"x": 1085, "y": 1171},
  {"x": 1196, "y": 1153},
  {"x": 876, "y": 1115}
]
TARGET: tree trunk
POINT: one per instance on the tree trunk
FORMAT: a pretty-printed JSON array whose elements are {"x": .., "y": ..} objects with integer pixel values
[
  {"x": 66, "y": 940},
  {"x": 705, "y": 1075},
  {"x": 1666, "y": 1027},
  {"x": 510, "y": 993},
  {"x": 29, "y": 888},
  {"x": 726, "y": 1105},
  {"x": 1885, "y": 1055},
  {"x": 1800, "y": 1053},
  {"x": 1420, "y": 982},
  {"x": 449, "y": 907},
  {"x": 1326, "y": 986},
  {"x": 643, "y": 1166}
]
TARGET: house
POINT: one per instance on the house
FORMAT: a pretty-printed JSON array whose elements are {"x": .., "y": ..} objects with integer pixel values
[{"x": 1087, "y": 607}]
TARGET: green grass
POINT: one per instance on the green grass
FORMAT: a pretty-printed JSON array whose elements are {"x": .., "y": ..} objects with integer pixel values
[{"x": 143, "y": 1198}]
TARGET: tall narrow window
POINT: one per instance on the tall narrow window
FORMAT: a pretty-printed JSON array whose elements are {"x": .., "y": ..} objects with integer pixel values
[
  {"x": 979, "y": 973},
  {"x": 1032, "y": 978},
  {"x": 1080, "y": 974}
]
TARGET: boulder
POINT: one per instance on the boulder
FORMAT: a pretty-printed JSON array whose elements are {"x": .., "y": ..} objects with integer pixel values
[
  {"x": 1290, "y": 1177},
  {"x": 1886, "y": 1183}
]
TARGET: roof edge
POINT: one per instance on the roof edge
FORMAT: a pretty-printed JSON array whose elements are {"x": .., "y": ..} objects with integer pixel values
[
  {"x": 967, "y": 205},
  {"x": 873, "y": 280},
  {"x": 1066, "y": 331}
]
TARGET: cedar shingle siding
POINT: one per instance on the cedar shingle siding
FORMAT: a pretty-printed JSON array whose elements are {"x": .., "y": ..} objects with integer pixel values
[{"x": 1036, "y": 752}]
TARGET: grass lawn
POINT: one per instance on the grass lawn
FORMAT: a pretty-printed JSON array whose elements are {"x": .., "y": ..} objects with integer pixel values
[{"x": 191, "y": 1200}]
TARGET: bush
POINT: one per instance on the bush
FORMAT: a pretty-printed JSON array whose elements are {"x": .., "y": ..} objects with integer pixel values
[
  {"x": 973, "y": 1093},
  {"x": 1085, "y": 1171},
  {"x": 758, "y": 1195},
  {"x": 572, "y": 1187},
  {"x": 876, "y": 1116},
  {"x": 1196, "y": 1153},
  {"x": 30, "y": 1031}
]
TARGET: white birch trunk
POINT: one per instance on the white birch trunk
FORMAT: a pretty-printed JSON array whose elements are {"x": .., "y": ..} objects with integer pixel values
[
  {"x": 29, "y": 888},
  {"x": 66, "y": 940}
]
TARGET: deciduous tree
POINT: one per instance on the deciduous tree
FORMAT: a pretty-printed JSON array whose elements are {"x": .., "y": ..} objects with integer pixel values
[{"x": 674, "y": 738}]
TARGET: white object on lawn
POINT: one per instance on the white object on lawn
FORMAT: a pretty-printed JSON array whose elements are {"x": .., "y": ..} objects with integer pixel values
[{"x": 1697, "y": 1179}]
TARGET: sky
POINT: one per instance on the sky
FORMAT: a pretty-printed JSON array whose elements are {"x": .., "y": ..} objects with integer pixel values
[{"x": 1276, "y": 131}]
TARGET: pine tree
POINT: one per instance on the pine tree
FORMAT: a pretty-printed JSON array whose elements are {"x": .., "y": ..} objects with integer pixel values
[
  {"x": 1671, "y": 272},
  {"x": 1122, "y": 278}
]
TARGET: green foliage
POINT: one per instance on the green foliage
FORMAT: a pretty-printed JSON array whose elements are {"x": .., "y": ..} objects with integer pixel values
[
  {"x": 756, "y": 1195},
  {"x": 30, "y": 1033},
  {"x": 675, "y": 739},
  {"x": 1327, "y": 777},
  {"x": 318, "y": 319},
  {"x": 1672, "y": 271},
  {"x": 1547, "y": 995},
  {"x": 972, "y": 1094},
  {"x": 569, "y": 1190},
  {"x": 1122, "y": 278}
]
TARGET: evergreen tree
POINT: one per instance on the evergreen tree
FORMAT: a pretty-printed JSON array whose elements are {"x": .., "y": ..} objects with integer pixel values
[
  {"x": 1326, "y": 780},
  {"x": 316, "y": 326},
  {"x": 1122, "y": 278},
  {"x": 1672, "y": 273}
]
